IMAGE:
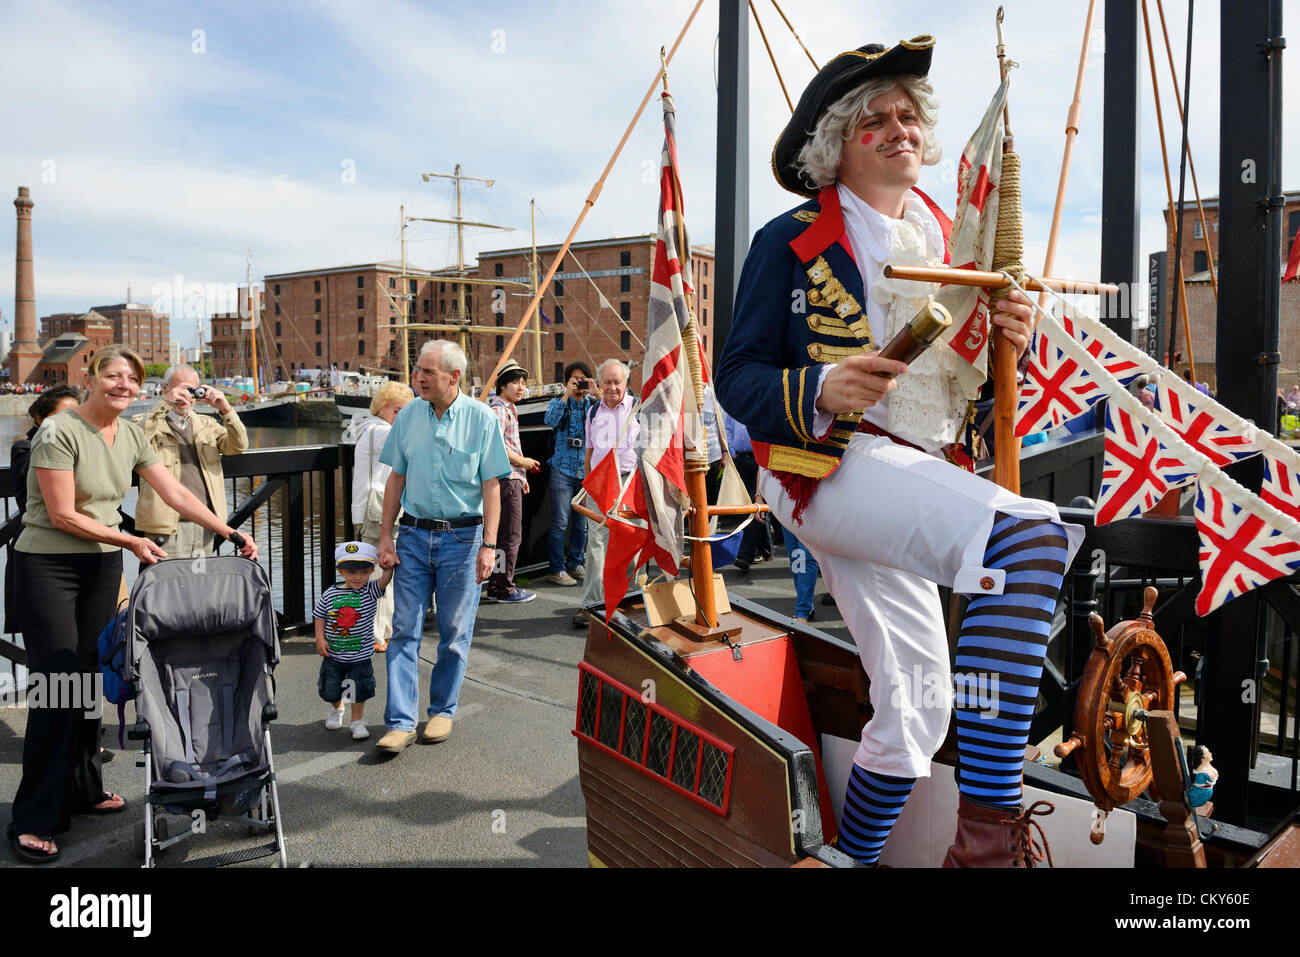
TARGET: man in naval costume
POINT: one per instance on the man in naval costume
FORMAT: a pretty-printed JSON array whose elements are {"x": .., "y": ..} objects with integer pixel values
[{"x": 866, "y": 468}]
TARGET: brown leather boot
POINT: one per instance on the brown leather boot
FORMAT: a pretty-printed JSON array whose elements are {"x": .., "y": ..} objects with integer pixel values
[{"x": 998, "y": 837}]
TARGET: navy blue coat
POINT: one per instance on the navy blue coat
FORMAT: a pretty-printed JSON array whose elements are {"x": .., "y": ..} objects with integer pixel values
[{"x": 800, "y": 306}]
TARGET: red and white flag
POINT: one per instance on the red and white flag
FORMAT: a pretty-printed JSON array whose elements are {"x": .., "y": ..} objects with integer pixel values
[
  {"x": 670, "y": 423},
  {"x": 970, "y": 245},
  {"x": 1240, "y": 549},
  {"x": 1137, "y": 470}
]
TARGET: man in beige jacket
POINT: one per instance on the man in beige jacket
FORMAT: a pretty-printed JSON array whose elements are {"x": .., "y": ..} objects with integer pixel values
[{"x": 191, "y": 447}]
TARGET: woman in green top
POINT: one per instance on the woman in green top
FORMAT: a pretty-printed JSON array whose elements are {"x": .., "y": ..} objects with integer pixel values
[{"x": 68, "y": 564}]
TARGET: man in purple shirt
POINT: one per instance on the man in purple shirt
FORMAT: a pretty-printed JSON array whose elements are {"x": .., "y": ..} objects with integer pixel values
[{"x": 606, "y": 435}]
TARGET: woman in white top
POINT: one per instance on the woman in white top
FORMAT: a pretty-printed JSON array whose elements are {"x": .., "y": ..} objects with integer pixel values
[{"x": 368, "y": 478}]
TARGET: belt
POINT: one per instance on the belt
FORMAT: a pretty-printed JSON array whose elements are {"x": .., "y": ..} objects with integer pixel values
[
  {"x": 440, "y": 524},
  {"x": 867, "y": 427}
]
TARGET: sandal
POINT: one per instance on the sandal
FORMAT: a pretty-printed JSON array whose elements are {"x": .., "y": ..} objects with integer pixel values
[
  {"x": 33, "y": 855},
  {"x": 111, "y": 809}
]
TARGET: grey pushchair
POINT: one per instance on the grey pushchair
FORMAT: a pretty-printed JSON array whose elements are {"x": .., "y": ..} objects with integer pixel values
[{"x": 201, "y": 649}]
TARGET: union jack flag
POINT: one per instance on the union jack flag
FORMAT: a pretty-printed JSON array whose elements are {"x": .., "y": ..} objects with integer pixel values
[
  {"x": 1137, "y": 470},
  {"x": 1240, "y": 550},
  {"x": 1056, "y": 388},
  {"x": 1281, "y": 487},
  {"x": 1217, "y": 439},
  {"x": 1124, "y": 370}
]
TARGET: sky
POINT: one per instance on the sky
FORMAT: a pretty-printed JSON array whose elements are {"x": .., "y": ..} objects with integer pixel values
[{"x": 163, "y": 140}]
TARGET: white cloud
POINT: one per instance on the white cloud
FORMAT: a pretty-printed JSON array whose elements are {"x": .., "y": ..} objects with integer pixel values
[{"x": 174, "y": 162}]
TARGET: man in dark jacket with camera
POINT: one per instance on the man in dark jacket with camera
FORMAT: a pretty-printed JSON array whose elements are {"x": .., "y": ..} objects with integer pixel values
[
  {"x": 191, "y": 447},
  {"x": 567, "y": 416}
]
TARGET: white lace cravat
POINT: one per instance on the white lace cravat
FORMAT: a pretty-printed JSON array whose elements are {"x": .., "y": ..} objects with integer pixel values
[{"x": 928, "y": 405}]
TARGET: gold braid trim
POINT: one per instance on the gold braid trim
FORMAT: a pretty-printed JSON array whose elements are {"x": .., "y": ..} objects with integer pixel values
[{"x": 783, "y": 458}]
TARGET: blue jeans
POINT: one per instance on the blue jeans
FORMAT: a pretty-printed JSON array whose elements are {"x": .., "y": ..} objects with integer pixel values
[
  {"x": 445, "y": 561},
  {"x": 804, "y": 571},
  {"x": 563, "y": 488}
]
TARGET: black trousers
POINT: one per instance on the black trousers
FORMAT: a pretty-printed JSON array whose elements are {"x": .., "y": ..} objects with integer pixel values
[
  {"x": 756, "y": 539},
  {"x": 67, "y": 600}
]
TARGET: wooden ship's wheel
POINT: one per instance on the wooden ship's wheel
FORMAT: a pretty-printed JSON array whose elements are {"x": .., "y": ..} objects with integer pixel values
[{"x": 1127, "y": 675}]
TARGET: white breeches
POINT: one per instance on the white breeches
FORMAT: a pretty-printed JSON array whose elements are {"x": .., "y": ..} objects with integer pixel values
[{"x": 885, "y": 527}]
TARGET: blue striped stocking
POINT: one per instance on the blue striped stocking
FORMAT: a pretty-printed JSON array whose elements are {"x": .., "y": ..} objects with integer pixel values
[
  {"x": 1000, "y": 657},
  {"x": 872, "y": 804}
]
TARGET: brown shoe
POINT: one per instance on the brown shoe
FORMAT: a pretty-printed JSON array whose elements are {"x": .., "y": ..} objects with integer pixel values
[
  {"x": 437, "y": 729},
  {"x": 395, "y": 742},
  {"x": 998, "y": 837}
]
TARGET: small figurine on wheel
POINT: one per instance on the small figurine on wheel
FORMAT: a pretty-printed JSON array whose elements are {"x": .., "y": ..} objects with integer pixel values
[{"x": 1205, "y": 775}]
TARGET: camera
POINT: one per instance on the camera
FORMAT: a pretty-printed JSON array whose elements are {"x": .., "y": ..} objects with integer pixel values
[
  {"x": 574, "y": 442},
  {"x": 584, "y": 384},
  {"x": 197, "y": 391}
]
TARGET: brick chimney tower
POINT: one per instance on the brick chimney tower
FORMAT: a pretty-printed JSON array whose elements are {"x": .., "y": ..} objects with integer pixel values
[{"x": 26, "y": 352}]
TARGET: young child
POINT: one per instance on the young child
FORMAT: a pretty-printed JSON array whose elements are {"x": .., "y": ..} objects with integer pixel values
[{"x": 345, "y": 635}]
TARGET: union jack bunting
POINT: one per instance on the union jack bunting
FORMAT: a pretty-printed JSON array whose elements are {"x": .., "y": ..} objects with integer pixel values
[
  {"x": 1123, "y": 368},
  {"x": 1137, "y": 470},
  {"x": 1240, "y": 550},
  {"x": 1055, "y": 389},
  {"x": 1281, "y": 487},
  {"x": 1218, "y": 438}
]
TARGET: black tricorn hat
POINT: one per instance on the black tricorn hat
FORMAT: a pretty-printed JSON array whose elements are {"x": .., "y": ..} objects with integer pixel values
[{"x": 832, "y": 81}]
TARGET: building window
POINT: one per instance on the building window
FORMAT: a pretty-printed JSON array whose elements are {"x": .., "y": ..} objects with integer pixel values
[
  {"x": 277, "y": 350},
  {"x": 277, "y": 289},
  {"x": 361, "y": 282},
  {"x": 410, "y": 286},
  {"x": 499, "y": 270},
  {"x": 392, "y": 282},
  {"x": 277, "y": 329},
  {"x": 559, "y": 342},
  {"x": 1197, "y": 231},
  {"x": 361, "y": 323},
  {"x": 706, "y": 267},
  {"x": 625, "y": 258},
  {"x": 361, "y": 302},
  {"x": 624, "y": 283},
  {"x": 426, "y": 306},
  {"x": 558, "y": 286},
  {"x": 559, "y": 315},
  {"x": 318, "y": 327},
  {"x": 625, "y": 340},
  {"x": 345, "y": 365},
  {"x": 442, "y": 287},
  {"x": 706, "y": 290},
  {"x": 442, "y": 307},
  {"x": 318, "y": 305},
  {"x": 501, "y": 343},
  {"x": 625, "y": 311},
  {"x": 559, "y": 372},
  {"x": 361, "y": 349},
  {"x": 277, "y": 308},
  {"x": 317, "y": 347},
  {"x": 501, "y": 320},
  {"x": 1292, "y": 226},
  {"x": 317, "y": 289},
  {"x": 705, "y": 314},
  {"x": 1200, "y": 261}
]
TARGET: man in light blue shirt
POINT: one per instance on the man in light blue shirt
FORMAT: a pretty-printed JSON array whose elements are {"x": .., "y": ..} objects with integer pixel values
[{"x": 448, "y": 458}]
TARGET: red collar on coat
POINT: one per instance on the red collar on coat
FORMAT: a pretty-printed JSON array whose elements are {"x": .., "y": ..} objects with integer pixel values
[{"x": 828, "y": 228}]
